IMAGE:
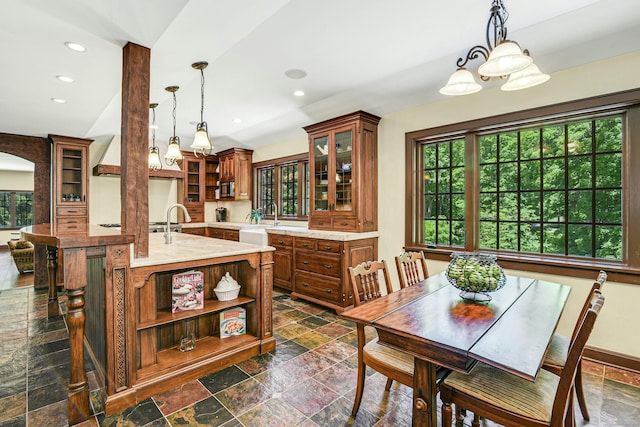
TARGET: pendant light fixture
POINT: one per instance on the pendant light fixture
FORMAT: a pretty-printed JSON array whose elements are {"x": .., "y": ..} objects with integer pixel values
[
  {"x": 503, "y": 58},
  {"x": 154, "y": 152},
  {"x": 174, "y": 155},
  {"x": 201, "y": 143}
]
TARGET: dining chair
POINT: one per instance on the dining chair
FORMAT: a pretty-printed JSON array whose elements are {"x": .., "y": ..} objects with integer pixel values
[
  {"x": 412, "y": 268},
  {"x": 513, "y": 401},
  {"x": 555, "y": 358}
]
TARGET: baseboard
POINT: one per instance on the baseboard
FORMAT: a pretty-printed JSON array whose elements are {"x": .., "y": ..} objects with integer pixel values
[{"x": 612, "y": 358}]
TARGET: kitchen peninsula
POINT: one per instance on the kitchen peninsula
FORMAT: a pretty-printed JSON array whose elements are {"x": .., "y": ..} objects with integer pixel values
[{"x": 123, "y": 308}]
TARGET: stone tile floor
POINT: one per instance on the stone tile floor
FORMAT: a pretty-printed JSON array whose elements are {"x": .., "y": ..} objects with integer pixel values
[{"x": 309, "y": 380}]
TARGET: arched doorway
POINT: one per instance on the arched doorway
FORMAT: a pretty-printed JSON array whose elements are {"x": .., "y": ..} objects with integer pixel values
[{"x": 38, "y": 151}]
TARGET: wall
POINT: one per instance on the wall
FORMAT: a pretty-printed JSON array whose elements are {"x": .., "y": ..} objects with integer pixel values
[
  {"x": 619, "y": 315},
  {"x": 18, "y": 181}
]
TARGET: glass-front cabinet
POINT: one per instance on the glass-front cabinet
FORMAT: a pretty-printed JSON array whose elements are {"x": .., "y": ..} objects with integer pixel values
[{"x": 343, "y": 160}]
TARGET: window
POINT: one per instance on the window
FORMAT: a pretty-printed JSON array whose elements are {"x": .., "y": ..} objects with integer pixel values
[
  {"x": 285, "y": 183},
  {"x": 16, "y": 209},
  {"x": 549, "y": 189}
]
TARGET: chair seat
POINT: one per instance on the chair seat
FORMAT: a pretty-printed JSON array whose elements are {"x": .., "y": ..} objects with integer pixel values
[
  {"x": 496, "y": 387},
  {"x": 377, "y": 354},
  {"x": 557, "y": 351}
]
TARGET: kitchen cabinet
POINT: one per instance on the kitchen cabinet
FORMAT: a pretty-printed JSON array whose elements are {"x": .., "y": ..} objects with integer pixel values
[
  {"x": 197, "y": 231},
  {"x": 211, "y": 179},
  {"x": 223, "y": 233},
  {"x": 321, "y": 269},
  {"x": 235, "y": 174},
  {"x": 343, "y": 169},
  {"x": 282, "y": 260},
  {"x": 70, "y": 184},
  {"x": 192, "y": 191}
]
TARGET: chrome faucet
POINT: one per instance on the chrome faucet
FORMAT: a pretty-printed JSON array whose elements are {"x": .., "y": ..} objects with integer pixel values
[
  {"x": 275, "y": 213},
  {"x": 167, "y": 232}
]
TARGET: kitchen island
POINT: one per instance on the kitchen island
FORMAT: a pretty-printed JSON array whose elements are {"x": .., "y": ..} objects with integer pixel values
[{"x": 121, "y": 308}]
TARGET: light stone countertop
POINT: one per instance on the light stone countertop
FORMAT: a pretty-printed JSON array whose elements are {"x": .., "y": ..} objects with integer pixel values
[
  {"x": 187, "y": 247},
  {"x": 287, "y": 230}
]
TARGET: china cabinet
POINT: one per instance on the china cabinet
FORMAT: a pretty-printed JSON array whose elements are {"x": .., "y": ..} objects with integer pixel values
[
  {"x": 70, "y": 184},
  {"x": 343, "y": 164}
]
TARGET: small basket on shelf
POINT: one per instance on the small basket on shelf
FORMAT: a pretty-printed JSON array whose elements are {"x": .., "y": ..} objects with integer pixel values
[
  {"x": 475, "y": 274},
  {"x": 227, "y": 289}
]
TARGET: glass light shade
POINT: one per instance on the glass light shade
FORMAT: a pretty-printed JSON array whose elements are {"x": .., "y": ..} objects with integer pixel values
[
  {"x": 173, "y": 151},
  {"x": 529, "y": 77},
  {"x": 507, "y": 58},
  {"x": 201, "y": 140},
  {"x": 154, "y": 158},
  {"x": 461, "y": 83}
]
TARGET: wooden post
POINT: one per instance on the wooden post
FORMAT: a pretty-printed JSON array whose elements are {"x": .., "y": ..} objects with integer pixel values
[
  {"x": 53, "y": 309},
  {"x": 134, "y": 179}
]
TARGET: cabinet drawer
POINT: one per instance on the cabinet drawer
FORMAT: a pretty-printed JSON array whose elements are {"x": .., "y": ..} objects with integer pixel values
[
  {"x": 232, "y": 235},
  {"x": 72, "y": 224},
  {"x": 69, "y": 211},
  {"x": 314, "y": 285},
  {"x": 217, "y": 233},
  {"x": 307, "y": 244},
  {"x": 329, "y": 246},
  {"x": 320, "y": 223},
  {"x": 346, "y": 224},
  {"x": 321, "y": 264},
  {"x": 278, "y": 240}
]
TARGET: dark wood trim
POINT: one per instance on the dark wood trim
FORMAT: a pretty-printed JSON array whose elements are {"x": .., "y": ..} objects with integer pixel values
[
  {"x": 113, "y": 170},
  {"x": 38, "y": 151},
  {"x": 282, "y": 160},
  {"x": 339, "y": 121},
  {"x": 611, "y": 358},
  {"x": 134, "y": 185}
]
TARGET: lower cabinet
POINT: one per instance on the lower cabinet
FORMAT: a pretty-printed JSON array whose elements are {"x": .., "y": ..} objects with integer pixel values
[
  {"x": 223, "y": 233},
  {"x": 321, "y": 273},
  {"x": 282, "y": 261},
  {"x": 198, "y": 231}
]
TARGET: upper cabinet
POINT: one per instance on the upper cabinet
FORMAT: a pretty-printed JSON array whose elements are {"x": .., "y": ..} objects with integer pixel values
[
  {"x": 70, "y": 184},
  {"x": 194, "y": 189},
  {"x": 235, "y": 174},
  {"x": 343, "y": 163}
]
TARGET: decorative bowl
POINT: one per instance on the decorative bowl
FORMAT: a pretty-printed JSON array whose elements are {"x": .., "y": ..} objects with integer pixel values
[
  {"x": 227, "y": 289},
  {"x": 475, "y": 274}
]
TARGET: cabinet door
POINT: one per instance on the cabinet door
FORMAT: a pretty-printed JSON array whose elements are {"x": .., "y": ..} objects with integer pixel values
[
  {"x": 282, "y": 271},
  {"x": 227, "y": 169},
  {"x": 71, "y": 175},
  {"x": 321, "y": 174},
  {"x": 193, "y": 181},
  {"x": 343, "y": 199},
  {"x": 243, "y": 177}
]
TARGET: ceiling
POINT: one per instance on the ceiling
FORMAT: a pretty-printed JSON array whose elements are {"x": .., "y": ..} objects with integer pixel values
[{"x": 376, "y": 55}]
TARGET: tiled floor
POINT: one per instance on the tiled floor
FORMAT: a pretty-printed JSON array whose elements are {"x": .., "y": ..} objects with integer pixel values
[{"x": 308, "y": 381}]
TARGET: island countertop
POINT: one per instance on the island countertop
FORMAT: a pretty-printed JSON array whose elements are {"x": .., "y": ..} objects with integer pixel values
[
  {"x": 188, "y": 247},
  {"x": 288, "y": 230}
]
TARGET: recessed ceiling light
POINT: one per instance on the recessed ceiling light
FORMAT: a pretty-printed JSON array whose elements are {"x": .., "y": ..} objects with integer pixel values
[
  {"x": 65, "y": 79},
  {"x": 299, "y": 93},
  {"x": 237, "y": 120},
  {"x": 75, "y": 46},
  {"x": 295, "y": 73},
  {"x": 59, "y": 100}
]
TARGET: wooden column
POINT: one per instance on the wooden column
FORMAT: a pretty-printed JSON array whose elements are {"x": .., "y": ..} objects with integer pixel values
[{"x": 134, "y": 179}]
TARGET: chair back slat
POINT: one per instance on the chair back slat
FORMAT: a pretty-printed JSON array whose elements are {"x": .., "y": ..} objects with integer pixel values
[
  {"x": 576, "y": 348},
  {"x": 596, "y": 287},
  {"x": 365, "y": 281},
  {"x": 412, "y": 268}
]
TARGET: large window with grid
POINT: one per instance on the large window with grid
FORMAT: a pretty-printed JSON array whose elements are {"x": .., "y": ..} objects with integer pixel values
[
  {"x": 283, "y": 183},
  {"x": 549, "y": 190},
  {"x": 16, "y": 209}
]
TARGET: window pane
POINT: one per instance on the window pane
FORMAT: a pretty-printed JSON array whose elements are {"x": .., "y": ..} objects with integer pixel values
[
  {"x": 609, "y": 170},
  {"x": 429, "y": 207},
  {"x": 508, "y": 206},
  {"x": 508, "y": 176},
  {"x": 530, "y": 175},
  {"x": 457, "y": 233},
  {"x": 488, "y": 206},
  {"x": 530, "y": 238},
  {"x": 553, "y": 206},
  {"x": 457, "y": 180},
  {"x": 289, "y": 190},
  {"x": 457, "y": 206},
  {"x": 609, "y": 134},
  {"x": 580, "y": 238},
  {"x": 580, "y": 205},
  {"x": 429, "y": 181},
  {"x": 553, "y": 141},
  {"x": 508, "y": 236},
  {"x": 609, "y": 206},
  {"x": 609, "y": 242},
  {"x": 457, "y": 157},
  {"x": 488, "y": 178},
  {"x": 530, "y": 144},
  {"x": 580, "y": 172},
  {"x": 429, "y": 232},
  {"x": 488, "y": 235},
  {"x": 24, "y": 209},
  {"x": 554, "y": 238},
  {"x": 444, "y": 236},
  {"x": 488, "y": 149},
  {"x": 553, "y": 174},
  {"x": 530, "y": 206},
  {"x": 508, "y": 146}
]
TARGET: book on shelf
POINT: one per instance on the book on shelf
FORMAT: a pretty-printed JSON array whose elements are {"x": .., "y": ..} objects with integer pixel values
[{"x": 187, "y": 291}]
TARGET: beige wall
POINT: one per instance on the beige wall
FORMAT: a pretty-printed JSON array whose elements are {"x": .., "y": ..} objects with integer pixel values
[{"x": 18, "y": 181}]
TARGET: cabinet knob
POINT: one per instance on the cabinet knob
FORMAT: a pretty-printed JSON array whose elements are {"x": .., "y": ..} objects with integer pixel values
[
  {"x": 305, "y": 262},
  {"x": 281, "y": 242},
  {"x": 305, "y": 284},
  {"x": 328, "y": 266},
  {"x": 305, "y": 244},
  {"x": 328, "y": 248},
  {"x": 320, "y": 222},
  {"x": 328, "y": 291},
  {"x": 343, "y": 223}
]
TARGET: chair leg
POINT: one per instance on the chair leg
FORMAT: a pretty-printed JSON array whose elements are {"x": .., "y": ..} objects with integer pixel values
[
  {"x": 476, "y": 421},
  {"x": 388, "y": 386},
  {"x": 446, "y": 414},
  {"x": 580, "y": 392},
  {"x": 361, "y": 376}
]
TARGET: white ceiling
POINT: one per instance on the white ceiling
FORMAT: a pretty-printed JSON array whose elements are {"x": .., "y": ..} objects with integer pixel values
[{"x": 380, "y": 56}]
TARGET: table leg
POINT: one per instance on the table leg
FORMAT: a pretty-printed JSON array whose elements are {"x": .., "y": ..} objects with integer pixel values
[
  {"x": 425, "y": 406},
  {"x": 78, "y": 403},
  {"x": 53, "y": 309}
]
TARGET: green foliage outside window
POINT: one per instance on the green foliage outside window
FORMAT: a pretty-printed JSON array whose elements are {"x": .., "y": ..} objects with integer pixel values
[{"x": 16, "y": 209}]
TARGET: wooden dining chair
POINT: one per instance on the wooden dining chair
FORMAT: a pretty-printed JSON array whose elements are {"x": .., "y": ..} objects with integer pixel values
[
  {"x": 556, "y": 356},
  {"x": 412, "y": 268},
  {"x": 366, "y": 287},
  {"x": 513, "y": 401}
]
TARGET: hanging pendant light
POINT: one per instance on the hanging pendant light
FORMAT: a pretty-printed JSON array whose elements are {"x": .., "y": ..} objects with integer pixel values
[
  {"x": 503, "y": 58},
  {"x": 174, "y": 155},
  {"x": 154, "y": 152},
  {"x": 201, "y": 143}
]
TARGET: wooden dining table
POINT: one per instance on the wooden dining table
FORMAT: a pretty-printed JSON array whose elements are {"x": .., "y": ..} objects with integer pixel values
[{"x": 434, "y": 324}]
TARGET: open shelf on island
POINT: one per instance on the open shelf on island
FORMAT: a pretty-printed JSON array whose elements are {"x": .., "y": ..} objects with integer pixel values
[{"x": 210, "y": 306}]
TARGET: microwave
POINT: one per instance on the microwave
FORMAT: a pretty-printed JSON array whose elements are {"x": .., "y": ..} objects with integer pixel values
[{"x": 227, "y": 189}]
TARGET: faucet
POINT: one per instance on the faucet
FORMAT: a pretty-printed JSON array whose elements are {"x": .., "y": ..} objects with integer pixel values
[
  {"x": 275, "y": 213},
  {"x": 167, "y": 233}
]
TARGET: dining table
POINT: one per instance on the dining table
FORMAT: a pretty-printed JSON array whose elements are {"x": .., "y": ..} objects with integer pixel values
[{"x": 434, "y": 324}]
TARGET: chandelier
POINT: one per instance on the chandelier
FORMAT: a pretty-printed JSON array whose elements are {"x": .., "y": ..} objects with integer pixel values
[
  {"x": 201, "y": 143},
  {"x": 154, "y": 152},
  {"x": 174, "y": 155},
  {"x": 503, "y": 58}
]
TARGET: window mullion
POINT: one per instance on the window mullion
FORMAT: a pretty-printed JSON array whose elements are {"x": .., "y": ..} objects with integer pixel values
[{"x": 472, "y": 191}]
